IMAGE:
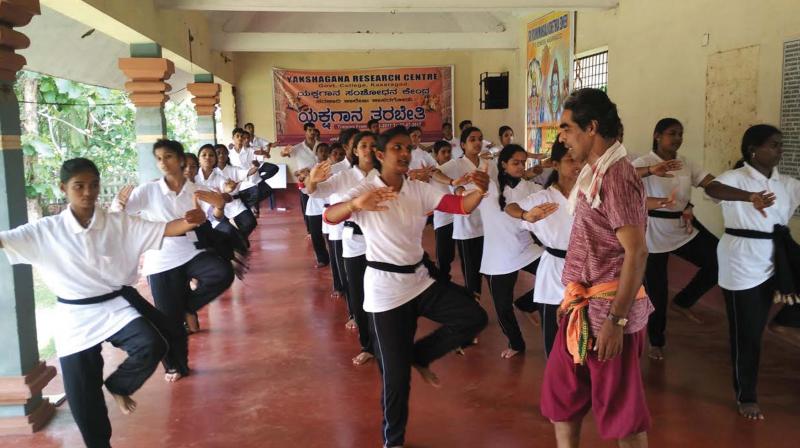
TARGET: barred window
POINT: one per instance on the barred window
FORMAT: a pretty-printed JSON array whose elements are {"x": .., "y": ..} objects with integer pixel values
[{"x": 592, "y": 71}]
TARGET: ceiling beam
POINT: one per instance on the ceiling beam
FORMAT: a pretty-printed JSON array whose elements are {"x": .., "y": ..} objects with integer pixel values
[
  {"x": 343, "y": 42},
  {"x": 383, "y": 5}
]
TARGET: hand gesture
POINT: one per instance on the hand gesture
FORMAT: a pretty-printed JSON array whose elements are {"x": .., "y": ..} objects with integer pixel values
[
  {"x": 540, "y": 212},
  {"x": 195, "y": 217},
  {"x": 609, "y": 341},
  {"x": 229, "y": 186},
  {"x": 320, "y": 173},
  {"x": 373, "y": 200},
  {"x": 687, "y": 219},
  {"x": 662, "y": 169},
  {"x": 480, "y": 178},
  {"x": 286, "y": 151},
  {"x": 420, "y": 174},
  {"x": 533, "y": 171},
  {"x": 124, "y": 194},
  {"x": 486, "y": 155},
  {"x": 762, "y": 200},
  {"x": 210, "y": 197}
]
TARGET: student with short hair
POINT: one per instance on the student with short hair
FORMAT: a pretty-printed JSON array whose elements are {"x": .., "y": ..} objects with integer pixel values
[
  {"x": 89, "y": 258},
  {"x": 314, "y": 209},
  {"x": 455, "y": 143},
  {"x": 442, "y": 221},
  {"x": 374, "y": 126},
  {"x": 256, "y": 141},
  {"x": 419, "y": 157},
  {"x": 253, "y": 189},
  {"x": 304, "y": 158}
]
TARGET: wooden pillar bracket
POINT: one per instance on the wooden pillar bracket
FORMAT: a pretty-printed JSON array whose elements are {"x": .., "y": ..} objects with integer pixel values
[
  {"x": 206, "y": 97},
  {"x": 146, "y": 87}
]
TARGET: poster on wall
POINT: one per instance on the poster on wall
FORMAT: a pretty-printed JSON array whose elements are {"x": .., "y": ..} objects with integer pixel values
[
  {"x": 550, "y": 51},
  {"x": 334, "y": 100}
]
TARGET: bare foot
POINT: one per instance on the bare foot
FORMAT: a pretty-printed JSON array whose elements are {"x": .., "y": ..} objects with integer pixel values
[
  {"x": 336, "y": 295},
  {"x": 362, "y": 358},
  {"x": 351, "y": 324},
  {"x": 428, "y": 376},
  {"x": 126, "y": 404},
  {"x": 308, "y": 236},
  {"x": 656, "y": 353},
  {"x": 192, "y": 323},
  {"x": 686, "y": 312},
  {"x": 459, "y": 351},
  {"x": 509, "y": 353},
  {"x": 172, "y": 377},
  {"x": 750, "y": 411}
]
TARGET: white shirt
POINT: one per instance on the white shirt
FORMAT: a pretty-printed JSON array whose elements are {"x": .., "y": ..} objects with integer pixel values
[
  {"x": 395, "y": 236},
  {"x": 335, "y": 231},
  {"x": 666, "y": 234},
  {"x": 469, "y": 226},
  {"x": 260, "y": 143},
  {"x": 304, "y": 157},
  {"x": 507, "y": 247},
  {"x": 745, "y": 263},
  {"x": 336, "y": 187},
  {"x": 441, "y": 219},
  {"x": 244, "y": 160},
  {"x": 78, "y": 263},
  {"x": 553, "y": 232},
  {"x": 154, "y": 201},
  {"x": 216, "y": 181},
  {"x": 457, "y": 151},
  {"x": 421, "y": 159}
]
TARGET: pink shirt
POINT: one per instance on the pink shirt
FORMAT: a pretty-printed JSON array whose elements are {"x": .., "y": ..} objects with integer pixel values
[{"x": 595, "y": 255}]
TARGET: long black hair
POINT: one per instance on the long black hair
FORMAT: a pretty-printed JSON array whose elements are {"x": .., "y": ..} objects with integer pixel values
[
  {"x": 754, "y": 137},
  {"x": 465, "y": 134},
  {"x": 358, "y": 137},
  {"x": 503, "y": 178},
  {"x": 662, "y": 125},
  {"x": 557, "y": 152},
  {"x": 72, "y": 167}
]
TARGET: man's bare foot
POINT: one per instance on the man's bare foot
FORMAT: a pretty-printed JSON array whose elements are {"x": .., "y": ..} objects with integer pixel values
[
  {"x": 428, "y": 376},
  {"x": 750, "y": 411},
  {"x": 509, "y": 353},
  {"x": 686, "y": 312},
  {"x": 351, "y": 324},
  {"x": 192, "y": 323},
  {"x": 172, "y": 377},
  {"x": 308, "y": 236},
  {"x": 126, "y": 404},
  {"x": 362, "y": 358},
  {"x": 656, "y": 353}
]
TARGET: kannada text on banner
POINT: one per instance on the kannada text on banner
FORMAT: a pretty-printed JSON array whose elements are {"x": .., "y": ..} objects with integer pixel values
[
  {"x": 334, "y": 100},
  {"x": 550, "y": 52}
]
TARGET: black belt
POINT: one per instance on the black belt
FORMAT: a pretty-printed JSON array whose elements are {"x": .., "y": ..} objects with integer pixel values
[
  {"x": 354, "y": 226},
  {"x": 92, "y": 300},
  {"x": 754, "y": 234},
  {"x": 664, "y": 214},
  {"x": 433, "y": 271},
  {"x": 556, "y": 252},
  {"x": 785, "y": 256}
]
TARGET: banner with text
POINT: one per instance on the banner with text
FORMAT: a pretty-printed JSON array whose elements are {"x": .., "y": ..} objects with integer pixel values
[
  {"x": 550, "y": 52},
  {"x": 334, "y": 100}
]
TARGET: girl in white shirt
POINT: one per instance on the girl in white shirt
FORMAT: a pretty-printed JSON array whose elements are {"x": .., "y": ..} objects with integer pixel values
[
  {"x": 506, "y": 135},
  {"x": 213, "y": 178},
  {"x": 747, "y": 253},
  {"x": 313, "y": 211},
  {"x": 335, "y": 157},
  {"x": 443, "y": 222},
  {"x": 170, "y": 268},
  {"x": 398, "y": 287},
  {"x": 507, "y": 248},
  {"x": 89, "y": 258}
]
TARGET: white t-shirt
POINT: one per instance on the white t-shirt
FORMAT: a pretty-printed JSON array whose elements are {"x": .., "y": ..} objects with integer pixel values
[
  {"x": 78, "y": 263},
  {"x": 666, "y": 234},
  {"x": 216, "y": 182},
  {"x": 745, "y": 263},
  {"x": 304, "y": 157},
  {"x": 154, "y": 201},
  {"x": 507, "y": 248},
  {"x": 457, "y": 151},
  {"x": 395, "y": 236},
  {"x": 469, "y": 226},
  {"x": 553, "y": 232},
  {"x": 335, "y": 231},
  {"x": 244, "y": 160},
  {"x": 421, "y": 159},
  {"x": 441, "y": 219}
]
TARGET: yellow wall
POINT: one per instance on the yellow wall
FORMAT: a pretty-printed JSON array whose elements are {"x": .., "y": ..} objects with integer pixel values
[
  {"x": 657, "y": 65},
  {"x": 254, "y": 82}
]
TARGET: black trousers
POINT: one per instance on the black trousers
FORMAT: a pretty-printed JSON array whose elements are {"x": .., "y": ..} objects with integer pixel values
[
  {"x": 337, "y": 266},
  {"x": 549, "y": 325},
  {"x": 525, "y": 302},
  {"x": 701, "y": 251},
  {"x": 318, "y": 239},
  {"x": 748, "y": 311},
  {"x": 250, "y": 197},
  {"x": 173, "y": 296},
  {"x": 471, "y": 252},
  {"x": 355, "y": 268},
  {"x": 788, "y": 316},
  {"x": 462, "y": 318},
  {"x": 246, "y": 222},
  {"x": 445, "y": 249},
  {"x": 501, "y": 287},
  {"x": 82, "y": 373},
  {"x": 303, "y": 205}
]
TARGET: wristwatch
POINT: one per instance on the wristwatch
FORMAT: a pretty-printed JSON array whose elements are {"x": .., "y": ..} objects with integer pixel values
[{"x": 618, "y": 321}]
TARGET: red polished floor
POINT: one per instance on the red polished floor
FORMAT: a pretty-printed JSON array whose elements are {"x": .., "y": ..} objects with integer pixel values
[{"x": 272, "y": 369}]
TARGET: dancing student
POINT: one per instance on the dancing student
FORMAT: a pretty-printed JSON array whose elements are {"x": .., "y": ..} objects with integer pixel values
[
  {"x": 465, "y": 124},
  {"x": 419, "y": 157},
  {"x": 314, "y": 209},
  {"x": 321, "y": 182},
  {"x": 757, "y": 258},
  {"x": 553, "y": 231},
  {"x": 338, "y": 163},
  {"x": 506, "y": 135},
  {"x": 443, "y": 222},
  {"x": 89, "y": 258},
  {"x": 256, "y": 141},
  {"x": 374, "y": 126},
  {"x": 398, "y": 288},
  {"x": 675, "y": 230},
  {"x": 507, "y": 248},
  {"x": 253, "y": 189},
  {"x": 468, "y": 229},
  {"x": 170, "y": 268},
  {"x": 455, "y": 143},
  {"x": 305, "y": 158},
  {"x": 594, "y": 362}
]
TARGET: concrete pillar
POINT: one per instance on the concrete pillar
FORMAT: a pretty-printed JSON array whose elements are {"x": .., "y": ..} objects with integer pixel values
[
  {"x": 147, "y": 71},
  {"x": 206, "y": 98},
  {"x": 22, "y": 374}
]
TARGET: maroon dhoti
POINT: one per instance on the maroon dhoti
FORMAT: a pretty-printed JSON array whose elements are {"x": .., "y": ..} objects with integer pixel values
[{"x": 612, "y": 389}]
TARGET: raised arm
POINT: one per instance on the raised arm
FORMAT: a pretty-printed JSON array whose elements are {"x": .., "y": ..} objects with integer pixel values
[
  {"x": 722, "y": 192},
  {"x": 371, "y": 200}
]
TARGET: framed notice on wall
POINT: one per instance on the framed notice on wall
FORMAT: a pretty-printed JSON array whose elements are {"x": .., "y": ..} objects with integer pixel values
[
  {"x": 338, "y": 99},
  {"x": 550, "y": 50}
]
